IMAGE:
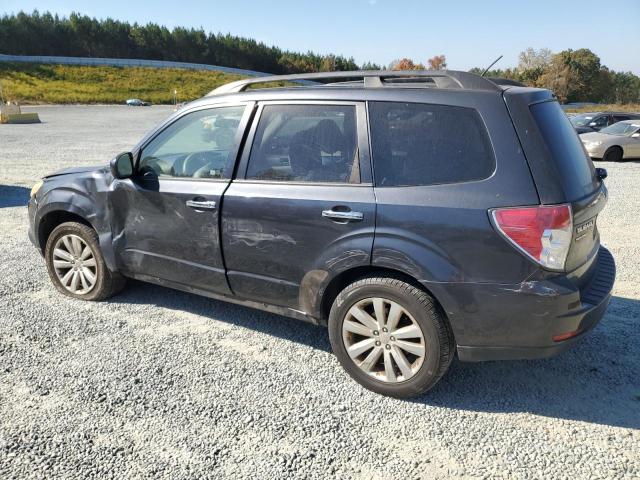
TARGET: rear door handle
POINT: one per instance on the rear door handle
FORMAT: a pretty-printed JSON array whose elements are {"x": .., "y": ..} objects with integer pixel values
[
  {"x": 202, "y": 205},
  {"x": 343, "y": 216}
]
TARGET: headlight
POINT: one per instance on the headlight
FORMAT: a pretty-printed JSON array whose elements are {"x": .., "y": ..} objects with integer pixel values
[
  {"x": 36, "y": 187},
  {"x": 592, "y": 144}
]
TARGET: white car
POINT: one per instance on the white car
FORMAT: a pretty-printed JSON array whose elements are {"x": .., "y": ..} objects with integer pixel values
[
  {"x": 620, "y": 141},
  {"x": 136, "y": 102}
]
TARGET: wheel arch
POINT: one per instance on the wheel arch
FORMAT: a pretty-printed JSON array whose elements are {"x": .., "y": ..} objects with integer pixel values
[
  {"x": 55, "y": 214},
  {"x": 50, "y": 220},
  {"x": 341, "y": 280},
  {"x": 615, "y": 147}
]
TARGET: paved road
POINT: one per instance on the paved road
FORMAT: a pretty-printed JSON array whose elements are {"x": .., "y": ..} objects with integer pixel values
[{"x": 159, "y": 383}]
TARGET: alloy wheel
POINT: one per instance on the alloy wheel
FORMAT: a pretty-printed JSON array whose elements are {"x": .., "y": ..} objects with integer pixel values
[
  {"x": 383, "y": 339},
  {"x": 75, "y": 264}
]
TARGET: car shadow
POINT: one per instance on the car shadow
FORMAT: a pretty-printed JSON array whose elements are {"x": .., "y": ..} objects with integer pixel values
[
  {"x": 13, "y": 196},
  {"x": 276, "y": 325},
  {"x": 595, "y": 382}
]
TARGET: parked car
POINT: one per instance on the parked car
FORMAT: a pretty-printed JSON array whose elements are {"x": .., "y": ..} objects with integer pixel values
[
  {"x": 620, "y": 141},
  {"x": 136, "y": 102},
  {"x": 596, "y": 121},
  {"x": 411, "y": 213}
]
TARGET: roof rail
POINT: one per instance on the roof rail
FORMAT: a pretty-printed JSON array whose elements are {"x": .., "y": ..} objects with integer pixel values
[{"x": 373, "y": 79}]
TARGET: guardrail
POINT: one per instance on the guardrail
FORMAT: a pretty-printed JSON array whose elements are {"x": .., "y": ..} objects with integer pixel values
[{"x": 125, "y": 62}]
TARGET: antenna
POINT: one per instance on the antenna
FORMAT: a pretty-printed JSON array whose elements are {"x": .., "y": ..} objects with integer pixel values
[{"x": 494, "y": 62}]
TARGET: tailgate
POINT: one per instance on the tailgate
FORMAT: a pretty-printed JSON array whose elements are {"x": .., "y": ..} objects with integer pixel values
[
  {"x": 560, "y": 166},
  {"x": 586, "y": 239}
]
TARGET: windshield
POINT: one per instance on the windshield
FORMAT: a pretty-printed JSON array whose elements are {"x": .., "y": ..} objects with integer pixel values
[
  {"x": 582, "y": 120},
  {"x": 622, "y": 128}
]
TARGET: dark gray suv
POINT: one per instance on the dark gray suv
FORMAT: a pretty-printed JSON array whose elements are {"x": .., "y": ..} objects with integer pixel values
[{"x": 416, "y": 214}]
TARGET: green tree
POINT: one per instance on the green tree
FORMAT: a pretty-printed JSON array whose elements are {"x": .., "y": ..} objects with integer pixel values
[{"x": 626, "y": 87}]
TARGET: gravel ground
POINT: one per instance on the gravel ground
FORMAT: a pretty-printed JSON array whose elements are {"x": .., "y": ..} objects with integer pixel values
[{"x": 159, "y": 383}]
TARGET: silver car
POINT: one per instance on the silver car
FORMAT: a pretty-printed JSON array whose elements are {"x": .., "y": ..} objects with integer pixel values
[{"x": 620, "y": 141}]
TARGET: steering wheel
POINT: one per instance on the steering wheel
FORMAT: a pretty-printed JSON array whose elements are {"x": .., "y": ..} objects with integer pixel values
[{"x": 193, "y": 162}]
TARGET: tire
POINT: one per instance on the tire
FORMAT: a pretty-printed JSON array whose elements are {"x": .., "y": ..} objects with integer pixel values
[
  {"x": 419, "y": 309},
  {"x": 613, "y": 154},
  {"x": 77, "y": 270}
]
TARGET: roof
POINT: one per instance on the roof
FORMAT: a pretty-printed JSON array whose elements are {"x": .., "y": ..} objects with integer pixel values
[{"x": 446, "y": 79}]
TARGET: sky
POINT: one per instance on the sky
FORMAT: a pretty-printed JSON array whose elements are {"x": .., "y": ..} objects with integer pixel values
[{"x": 470, "y": 33}]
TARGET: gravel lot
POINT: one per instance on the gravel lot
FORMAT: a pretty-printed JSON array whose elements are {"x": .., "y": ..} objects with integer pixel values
[{"x": 159, "y": 383}]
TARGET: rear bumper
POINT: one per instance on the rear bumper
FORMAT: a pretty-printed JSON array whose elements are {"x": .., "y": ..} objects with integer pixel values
[{"x": 521, "y": 323}]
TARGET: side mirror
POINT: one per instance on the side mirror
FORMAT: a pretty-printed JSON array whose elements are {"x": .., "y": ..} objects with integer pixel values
[
  {"x": 593, "y": 124},
  {"x": 122, "y": 165},
  {"x": 601, "y": 173},
  {"x": 635, "y": 135}
]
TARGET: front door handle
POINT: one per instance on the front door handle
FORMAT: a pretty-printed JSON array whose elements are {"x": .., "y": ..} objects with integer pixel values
[
  {"x": 202, "y": 205},
  {"x": 343, "y": 216}
]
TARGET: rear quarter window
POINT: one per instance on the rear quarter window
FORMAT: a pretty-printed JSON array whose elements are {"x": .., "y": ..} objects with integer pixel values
[
  {"x": 573, "y": 164},
  {"x": 422, "y": 144}
]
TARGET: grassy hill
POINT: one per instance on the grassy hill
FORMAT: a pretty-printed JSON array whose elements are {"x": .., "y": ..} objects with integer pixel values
[{"x": 37, "y": 83}]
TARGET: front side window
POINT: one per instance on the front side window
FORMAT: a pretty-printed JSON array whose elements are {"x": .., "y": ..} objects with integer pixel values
[
  {"x": 600, "y": 122},
  {"x": 201, "y": 144},
  {"x": 305, "y": 143},
  {"x": 582, "y": 120},
  {"x": 421, "y": 144}
]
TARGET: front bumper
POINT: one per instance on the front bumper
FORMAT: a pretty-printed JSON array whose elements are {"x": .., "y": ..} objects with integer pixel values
[
  {"x": 32, "y": 207},
  {"x": 595, "y": 151},
  {"x": 520, "y": 323}
]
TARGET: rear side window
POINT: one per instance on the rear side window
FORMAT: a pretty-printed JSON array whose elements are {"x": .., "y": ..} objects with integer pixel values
[
  {"x": 421, "y": 144},
  {"x": 573, "y": 163}
]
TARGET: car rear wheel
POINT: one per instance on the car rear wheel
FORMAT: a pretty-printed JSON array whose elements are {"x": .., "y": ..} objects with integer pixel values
[
  {"x": 390, "y": 336},
  {"x": 76, "y": 266},
  {"x": 613, "y": 154}
]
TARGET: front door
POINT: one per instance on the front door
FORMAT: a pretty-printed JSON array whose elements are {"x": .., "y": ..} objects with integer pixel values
[
  {"x": 304, "y": 209},
  {"x": 166, "y": 217}
]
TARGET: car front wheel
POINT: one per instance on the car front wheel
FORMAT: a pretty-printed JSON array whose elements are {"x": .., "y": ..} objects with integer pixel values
[
  {"x": 390, "y": 336},
  {"x": 613, "y": 154},
  {"x": 75, "y": 263}
]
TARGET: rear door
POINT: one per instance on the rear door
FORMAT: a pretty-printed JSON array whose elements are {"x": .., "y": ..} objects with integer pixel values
[
  {"x": 166, "y": 217},
  {"x": 302, "y": 207}
]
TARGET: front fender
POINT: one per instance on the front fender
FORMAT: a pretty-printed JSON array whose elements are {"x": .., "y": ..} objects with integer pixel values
[{"x": 70, "y": 200}]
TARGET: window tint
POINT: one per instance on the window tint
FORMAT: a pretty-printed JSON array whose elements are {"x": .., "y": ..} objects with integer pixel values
[
  {"x": 574, "y": 165},
  {"x": 420, "y": 144},
  {"x": 305, "y": 143},
  {"x": 198, "y": 145}
]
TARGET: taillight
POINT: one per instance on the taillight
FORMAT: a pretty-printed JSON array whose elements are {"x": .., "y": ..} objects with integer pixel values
[{"x": 543, "y": 232}]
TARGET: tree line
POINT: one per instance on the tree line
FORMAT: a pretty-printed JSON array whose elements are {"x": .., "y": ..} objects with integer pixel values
[
  {"x": 82, "y": 36},
  {"x": 574, "y": 75}
]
